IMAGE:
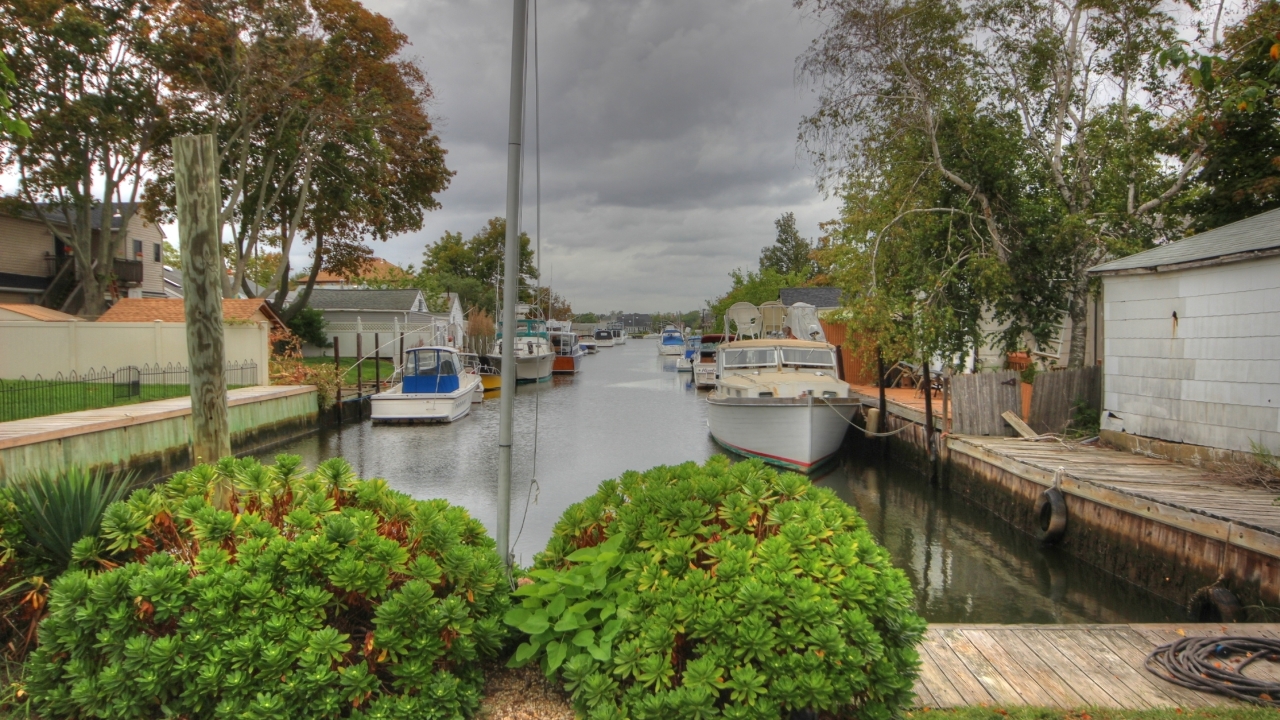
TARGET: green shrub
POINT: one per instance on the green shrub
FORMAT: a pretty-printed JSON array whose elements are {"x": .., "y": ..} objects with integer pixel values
[
  {"x": 57, "y": 509},
  {"x": 309, "y": 324},
  {"x": 251, "y": 591},
  {"x": 696, "y": 592}
]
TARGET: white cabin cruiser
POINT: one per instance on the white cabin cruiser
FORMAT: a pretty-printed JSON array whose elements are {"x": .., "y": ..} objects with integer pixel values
[
  {"x": 619, "y": 333},
  {"x": 603, "y": 337},
  {"x": 779, "y": 399},
  {"x": 434, "y": 387},
  {"x": 704, "y": 361},
  {"x": 534, "y": 355},
  {"x": 588, "y": 344},
  {"x": 671, "y": 342}
]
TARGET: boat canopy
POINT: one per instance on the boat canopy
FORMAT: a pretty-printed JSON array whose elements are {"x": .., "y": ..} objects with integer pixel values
[
  {"x": 431, "y": 370},
  {"x": 802, "y": 321},
  {"x": 604, "y": 334},
  {"x": 672, "y": 336},
  {"x": 527, "y": 327}
]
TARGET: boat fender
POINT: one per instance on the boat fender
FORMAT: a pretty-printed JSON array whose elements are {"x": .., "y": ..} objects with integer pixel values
[
  {"x": 1214, "y": 603},
  {"x": 873, "y": 421},
  {"x": 1050, "y": 516}
]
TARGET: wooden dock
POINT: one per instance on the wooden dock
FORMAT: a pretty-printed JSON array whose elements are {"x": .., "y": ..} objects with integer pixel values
[
  {"x": 1176, "y": 495},
  {"x": 1064, "y": 666}
]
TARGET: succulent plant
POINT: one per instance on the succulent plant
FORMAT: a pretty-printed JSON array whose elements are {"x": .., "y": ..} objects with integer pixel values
[
  {"x": 719, "y": 591},
  {"x": 250, "y": 591}
]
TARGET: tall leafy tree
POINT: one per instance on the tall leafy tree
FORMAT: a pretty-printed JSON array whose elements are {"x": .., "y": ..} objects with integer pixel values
[
  {"x": 471, "y": 267},
  {"x": 87, "y": 85},
  {"x": 10, "y": 124},
  {"x": 789, "y": 254},
  {"x": 1075, "y": 95}
]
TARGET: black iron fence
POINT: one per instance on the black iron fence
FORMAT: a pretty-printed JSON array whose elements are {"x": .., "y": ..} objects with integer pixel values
[{"x": 23, "y": 398}]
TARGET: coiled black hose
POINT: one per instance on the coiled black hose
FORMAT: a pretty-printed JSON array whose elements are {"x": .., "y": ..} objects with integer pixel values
[{"x": 1203, "y": 663}]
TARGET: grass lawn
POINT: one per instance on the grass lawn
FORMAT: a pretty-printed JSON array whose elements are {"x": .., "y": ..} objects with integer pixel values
[
  {"x": 19, "y": 398},
  {"x": 1032, "y": 713},
  {"x": 349, "y": 364}
]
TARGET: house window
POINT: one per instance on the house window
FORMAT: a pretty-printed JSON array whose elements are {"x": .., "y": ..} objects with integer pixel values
[
  {"x": 155, "y": 247},
  {"x": 137, "y": 249}
]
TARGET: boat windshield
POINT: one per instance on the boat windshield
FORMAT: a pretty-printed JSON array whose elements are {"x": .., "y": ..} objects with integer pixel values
[
  {"x": 604, "y": 335},
  {"x": 808, "y": 357},
  {"x": 432, "y": 362},
  {"x": 750, "y": 357}
]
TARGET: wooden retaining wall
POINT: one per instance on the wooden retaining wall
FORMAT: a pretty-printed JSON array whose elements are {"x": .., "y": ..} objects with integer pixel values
[
  {"x": 1171, "y": 540},
  {"x": 151, "y": 438}
]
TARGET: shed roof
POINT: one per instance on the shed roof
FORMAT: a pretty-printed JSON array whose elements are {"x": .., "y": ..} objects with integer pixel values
[
  {"x": 39, "y": 312},
  {"x": 385, "y": 300},
  {"x": 171, "y": 310},
  {"x": 1241, "y": 240},
  {"x": 819, "y": 297}
]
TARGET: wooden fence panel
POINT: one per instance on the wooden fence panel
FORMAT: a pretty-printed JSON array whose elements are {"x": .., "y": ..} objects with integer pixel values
[
  {"x": 977, "y": 401},
  {"x": 1056, "y": 392}
]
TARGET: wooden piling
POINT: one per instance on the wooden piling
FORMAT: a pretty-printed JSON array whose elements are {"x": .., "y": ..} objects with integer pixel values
[
  {"x": 195, "y": 170},
  {"x": 337, "y": 367},
  {"x": 377, "y": 364},
  {"x": 359, "y": 366}
]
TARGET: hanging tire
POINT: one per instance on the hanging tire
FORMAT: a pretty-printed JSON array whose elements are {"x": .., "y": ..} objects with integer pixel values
[
  {"x": 1215, "y": 603},
  {"x": 1050, "y": 516}
]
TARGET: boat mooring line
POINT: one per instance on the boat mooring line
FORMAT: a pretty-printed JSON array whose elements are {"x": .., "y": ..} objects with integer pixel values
[{"x": 869, "y": 434}]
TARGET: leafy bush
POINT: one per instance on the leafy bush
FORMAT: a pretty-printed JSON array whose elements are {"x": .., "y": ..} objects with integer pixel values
[
  {"x": 253, "y": 591},
  {"x": 309, "y": 324},
  {"x": 696, "y": 592},
  {"x": 58, "y": 509}
]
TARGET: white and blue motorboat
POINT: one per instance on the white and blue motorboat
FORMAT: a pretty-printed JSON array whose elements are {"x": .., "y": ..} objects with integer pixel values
[
  {"x": 434, "y": 387},
  {"x": 692, "y": 347},
  {"x": 671, "y": 342}
]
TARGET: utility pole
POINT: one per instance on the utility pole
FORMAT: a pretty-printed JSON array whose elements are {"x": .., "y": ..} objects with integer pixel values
[
  {"x": 511, "y": 280},
  {"x": 195, "y": 171}
]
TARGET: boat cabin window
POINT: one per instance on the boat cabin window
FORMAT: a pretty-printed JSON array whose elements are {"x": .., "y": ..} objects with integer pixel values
[
  {"x": 750, "y": 357},
  {"x": 604, "y": 335},
  {"x": 432, "y": 371},
  {"x": 808, "y": 357}
]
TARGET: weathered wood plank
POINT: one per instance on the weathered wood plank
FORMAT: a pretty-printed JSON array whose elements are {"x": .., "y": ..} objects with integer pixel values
[
  {"x": 1134, "y": 648},
  {"x": 997, "y": 653},
  {"x": 992, "y": 680},
  {"x": 971, "y": 691},
  {"x": 1034, "y": 664},
  {"x": 1096, "y": 670},
  {"x": 941, "y": 690},
  {"x": 1141, "y": 683},
  {"x": 1081, "y": 684}
]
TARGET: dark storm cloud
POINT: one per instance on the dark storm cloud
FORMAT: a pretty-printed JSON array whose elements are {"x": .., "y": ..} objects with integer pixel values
[{"x": 668, "y": 138}]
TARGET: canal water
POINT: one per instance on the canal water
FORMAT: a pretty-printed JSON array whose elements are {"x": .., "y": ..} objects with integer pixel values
[{"x": 629, "y": 409}]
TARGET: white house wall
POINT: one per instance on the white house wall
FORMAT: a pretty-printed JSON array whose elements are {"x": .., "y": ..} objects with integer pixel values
[{"x": 1214, "y": 378}]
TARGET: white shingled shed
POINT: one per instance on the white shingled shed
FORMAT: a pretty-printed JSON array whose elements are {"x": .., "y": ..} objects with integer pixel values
[{"x": 1192, "y": 328}]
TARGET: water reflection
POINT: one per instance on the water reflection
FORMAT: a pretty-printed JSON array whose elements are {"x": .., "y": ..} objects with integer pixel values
[
  {"x": 629, "y": 409},
  {"x": 967, "y": 566}
]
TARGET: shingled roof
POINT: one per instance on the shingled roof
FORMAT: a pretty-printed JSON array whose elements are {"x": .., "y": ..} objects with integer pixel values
[
  {"x": 384, "y": 300},
  {"x": 1246, "y": 239},
  {"x": 819, "y": 297},
  {"x": 171, "y": 310},
  {"x": 37, "y": 312}
]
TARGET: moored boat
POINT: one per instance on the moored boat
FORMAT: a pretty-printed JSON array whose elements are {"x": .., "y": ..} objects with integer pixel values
[
  {"x": 534, "y": 356},
  {"x": 490, "y": 379},
  {"x": 704, "y": 363},
  {"x": 434, "y": 387},
  {"x": 588, "y": 345},
  {"x": 692, "y": 346},
  {"x": 568, "y": 353},
  {"x": 603, "y": 337},
  {"x": 780, "y": 400},
  {"x": 671, "y": 342},
  {"x": 619, "y": 333}
]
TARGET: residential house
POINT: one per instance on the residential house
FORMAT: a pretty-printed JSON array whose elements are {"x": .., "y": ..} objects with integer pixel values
[
  {"x": 637, "y": 323},
  {"x": 373, "y": 269},
  {"x": 1192, "y": 343},
  {"x": 353, "y": 316},
  {"x": 36, "y": 267}
]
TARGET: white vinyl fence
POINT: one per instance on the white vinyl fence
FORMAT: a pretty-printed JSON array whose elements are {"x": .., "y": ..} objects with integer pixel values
[{"x": 30, "y": 348}]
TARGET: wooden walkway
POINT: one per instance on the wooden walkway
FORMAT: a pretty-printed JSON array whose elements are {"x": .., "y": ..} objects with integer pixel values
[
  {"x": 1177, "y": 495},
  {"x": 903, "y": 402},
  {"x": 16, "y": 433},
  {"x": 1064, "y": 666}
]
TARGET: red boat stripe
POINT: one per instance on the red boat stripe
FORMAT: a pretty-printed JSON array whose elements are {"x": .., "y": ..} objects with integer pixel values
[{"x": 744, "y": 451}]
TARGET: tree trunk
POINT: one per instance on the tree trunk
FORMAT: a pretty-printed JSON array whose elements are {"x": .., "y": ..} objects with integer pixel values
[
  {"x": 195, "y": 166},
  {"x": 1079, "y": 314},
  {"x": 304, "y": 294}
]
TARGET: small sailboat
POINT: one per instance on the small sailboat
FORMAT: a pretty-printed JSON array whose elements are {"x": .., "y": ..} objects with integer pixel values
[
  {"x": 568, "y": 353},
  {"x": 434, "y": 387},
  {"x": 671, "y": 342},
  {"x": 534, "y": 356},
  {"x": 603, "y": 337},
  {"x": 779, "y": 398}
]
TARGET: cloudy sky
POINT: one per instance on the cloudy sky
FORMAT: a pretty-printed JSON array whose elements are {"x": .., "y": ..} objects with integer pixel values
[{"x": 668, "y": 138}]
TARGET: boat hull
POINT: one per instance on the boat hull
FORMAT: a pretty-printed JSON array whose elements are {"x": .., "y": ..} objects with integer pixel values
[
  {"x": 620, "y": 340},
  {"x": 529, "y": 368},
  {"x": 670, "y": 349},
  {"x": 396, "y": 406},
  {"x": 567, "y": 364},
  {"x": 602, "y": 343},
  {"x": 795, "y": 433},
  {"x": 704, "y": 374},
  {"x": 491, "y": 381}
]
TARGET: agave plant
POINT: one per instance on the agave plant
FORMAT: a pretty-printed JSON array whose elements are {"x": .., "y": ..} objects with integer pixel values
[{"x": 57, "y": 509}]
